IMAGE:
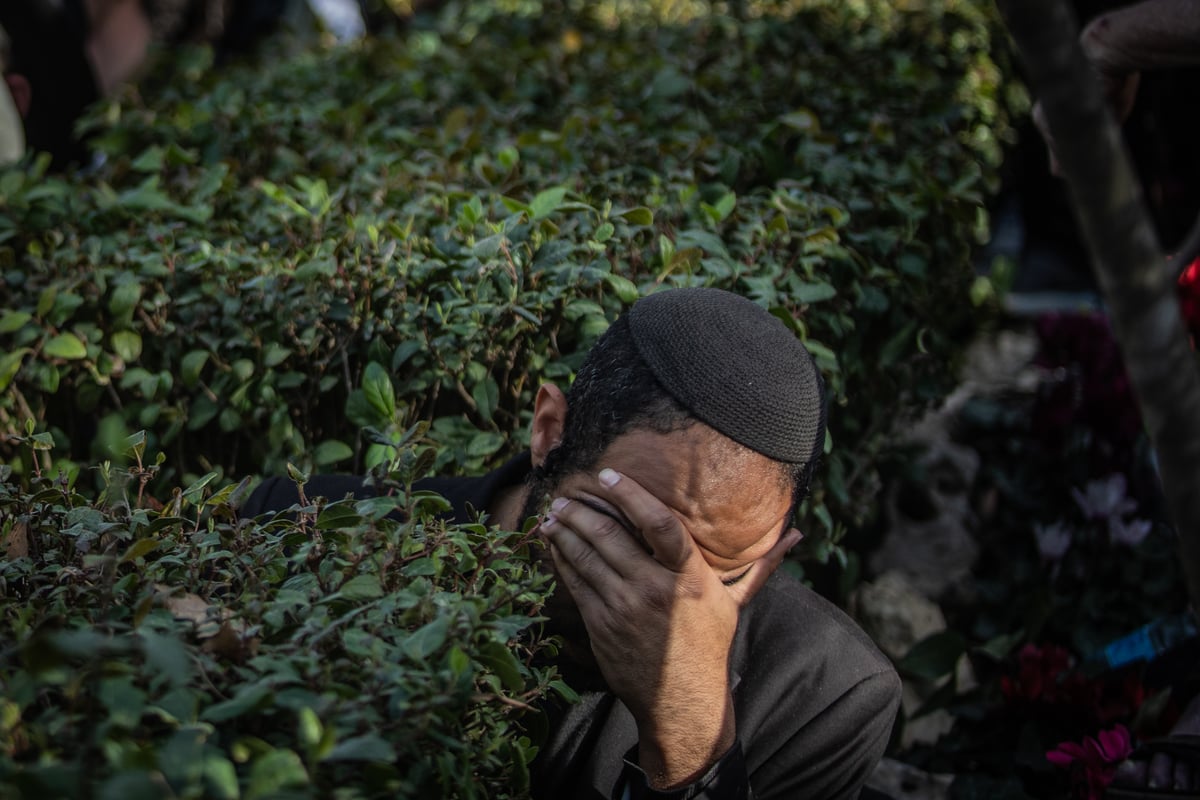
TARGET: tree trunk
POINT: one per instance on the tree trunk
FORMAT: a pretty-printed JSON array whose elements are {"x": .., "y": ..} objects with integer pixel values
[{"x": 1126, "y": 256}]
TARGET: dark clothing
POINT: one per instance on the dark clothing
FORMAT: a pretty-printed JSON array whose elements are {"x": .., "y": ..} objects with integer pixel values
[{"x": 813, "y": 697}]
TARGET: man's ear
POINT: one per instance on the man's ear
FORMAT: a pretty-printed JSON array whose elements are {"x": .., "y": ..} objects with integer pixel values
[
  {"x": 549, "y": 420},
  {"x": 21, "y": 91}
]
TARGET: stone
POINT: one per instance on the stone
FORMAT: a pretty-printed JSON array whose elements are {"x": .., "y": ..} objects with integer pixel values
[{"x": 902, "y": 781}]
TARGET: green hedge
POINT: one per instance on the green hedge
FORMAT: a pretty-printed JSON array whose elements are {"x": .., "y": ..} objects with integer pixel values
[
  {"x": 469, "y": 203},
  {"x": 182, "y": 653},
  {"x": 291, "y": 262}
]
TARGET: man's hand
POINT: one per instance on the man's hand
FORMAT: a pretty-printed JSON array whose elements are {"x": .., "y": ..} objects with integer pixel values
[{"x": 661, "y": 621}]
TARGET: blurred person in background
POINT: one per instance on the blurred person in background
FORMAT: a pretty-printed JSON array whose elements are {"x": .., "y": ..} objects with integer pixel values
[{"x": 64, "y": 55}]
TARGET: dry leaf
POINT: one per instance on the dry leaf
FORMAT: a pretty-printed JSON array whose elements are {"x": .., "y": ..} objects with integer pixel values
[
  {"x": 230, "y": 643},
  {"x": 220, "y": 633},
  {"x": 190, "y": 607},
  {"x": 16, "y": 543}
]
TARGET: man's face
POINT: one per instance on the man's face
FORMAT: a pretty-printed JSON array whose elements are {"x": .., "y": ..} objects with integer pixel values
[{"x": 732, "y": 501}]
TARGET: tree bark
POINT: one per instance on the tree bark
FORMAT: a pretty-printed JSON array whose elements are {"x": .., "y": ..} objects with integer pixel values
[{"x": 1128, "y": 261}]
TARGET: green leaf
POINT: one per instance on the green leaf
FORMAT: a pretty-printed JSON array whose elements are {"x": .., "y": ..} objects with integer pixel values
[
  {"x": 273, "y": 772},
  {"x": 192, "y": 492},
  {"x": 802, "y": 120},
  {"x": 362, "y": 587},
  {"x": 129, "y": 785},
  {"x": 894, "y": 347},
  {"x": 247, "y": 699},
  {"x": 124, "y": 301},
  {"x": 337, "y": 516},
  {"x": 138, "y": 549},
  {"x": 813, "y": 292},
  {"x": 370, "y": 747},
  {"x": 308, "y": 727},
  {"x": 501, "y": 661},
  {"x": 127, "y": 345},
  {"x": 377, "y": 387},
  {"x": 933, "y": 657},
  {"x": 220, "y": 777},
  {"x": 999, "y": 647},
  {"x": 639, "y": 215},
  {"x": 167, "y": 656},
  {"x": 424, "y": 642},
  {"x": 10, "y": 365},
  {"x": 151, "y": 160},
  {"x": 486, "y": 394},
  {"x": 14, "y": 320},
  {"x": 275, "y": 354},
  {"x": 624, "y": 288},
  {"x": 546, "y": 203},
  {"x": 331, "y": 451},
  {"x": 564, "y": 691},
  {"x": 65, "y": 345},
  {"x": 361, "y": 412},
  {"x": 485, "y": 443}
]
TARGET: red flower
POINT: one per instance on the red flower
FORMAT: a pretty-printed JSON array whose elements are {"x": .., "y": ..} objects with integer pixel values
[
  {"x": 1094, "y": 761},
  {"x": 1045, "y": 675},
  {"x": 1188, "y": 289}
]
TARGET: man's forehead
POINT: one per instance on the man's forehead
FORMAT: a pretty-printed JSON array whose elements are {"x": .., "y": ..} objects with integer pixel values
[{"x": 730, "y": 498}]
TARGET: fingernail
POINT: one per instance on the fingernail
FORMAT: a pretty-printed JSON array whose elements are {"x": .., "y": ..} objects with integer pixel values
[
  {"x": 795, "y": 539},
  {"x": 559, "y": 504},
  {"x": 609, "y": 477},
  {"x": 549, "y": 521}
]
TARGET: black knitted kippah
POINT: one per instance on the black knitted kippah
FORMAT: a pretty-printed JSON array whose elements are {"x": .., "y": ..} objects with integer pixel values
[{"x": 735, "y": 367}]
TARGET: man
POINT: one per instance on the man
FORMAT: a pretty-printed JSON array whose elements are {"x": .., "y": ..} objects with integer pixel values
[{"x": 671, "y": 472}]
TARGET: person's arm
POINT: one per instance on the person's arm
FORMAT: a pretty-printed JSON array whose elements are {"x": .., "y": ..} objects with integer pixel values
[{"x": 661, "y": 624}]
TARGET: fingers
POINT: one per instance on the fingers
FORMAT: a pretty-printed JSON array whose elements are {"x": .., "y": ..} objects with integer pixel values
[
  {"x": 579, "y": 587},
  {"x": 669, "y": 542},
  {"x": 762, "y": 568},
  {"x": 585, "y": 535}
]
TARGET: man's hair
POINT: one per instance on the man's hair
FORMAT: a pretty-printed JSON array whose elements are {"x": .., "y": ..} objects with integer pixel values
[{"x": 615, "y": 392}]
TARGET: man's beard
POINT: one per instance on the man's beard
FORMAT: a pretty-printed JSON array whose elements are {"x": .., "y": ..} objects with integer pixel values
[{"x": 575, "y": 660}]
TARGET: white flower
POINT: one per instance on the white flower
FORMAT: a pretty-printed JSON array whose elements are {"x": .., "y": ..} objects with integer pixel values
[
  {"x": 1104, "y": 499},
  {"x": 1053, "y": 541},
  {"x": 1131, "y": 533}
]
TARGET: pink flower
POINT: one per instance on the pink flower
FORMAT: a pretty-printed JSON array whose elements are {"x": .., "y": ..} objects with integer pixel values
[
  {"x": 1104, "y": 499},
  {"x": 1094, "y": 761},
  {"x": 1053, "y": 541},
  {"x": 1128, "y": 533},
  {"x": 1046, "y": 675}
]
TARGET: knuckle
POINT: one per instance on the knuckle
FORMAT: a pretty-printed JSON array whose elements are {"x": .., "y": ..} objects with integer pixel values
[
  {"x": 656, "y": 598},
  {"x": 662, "y": 523},
  {"x": 611, "y": 529}
]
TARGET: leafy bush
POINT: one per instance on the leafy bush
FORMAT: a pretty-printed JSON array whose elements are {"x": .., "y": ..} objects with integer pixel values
[
  {"x": 468, "y": 204},
  {"x": 293, "y": 261},
  {"x": 184, "y": 653}
]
